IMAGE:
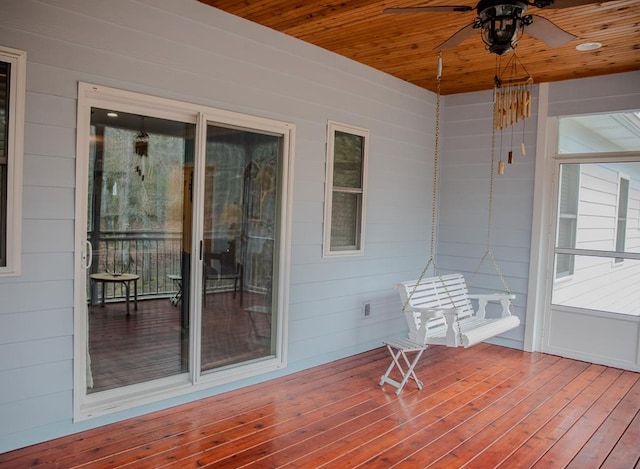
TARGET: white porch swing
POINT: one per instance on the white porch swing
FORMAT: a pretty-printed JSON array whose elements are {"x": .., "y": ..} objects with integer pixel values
[{"x": 438, "y": 309}]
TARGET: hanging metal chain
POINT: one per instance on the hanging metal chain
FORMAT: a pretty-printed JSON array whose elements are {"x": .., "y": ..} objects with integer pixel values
[{"x": 434, "y": 204}]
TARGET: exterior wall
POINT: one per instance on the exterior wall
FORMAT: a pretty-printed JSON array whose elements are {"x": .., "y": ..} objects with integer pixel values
[
  {"x": 465, "y": 174},
  {"x": 608, "y": 93},
  {"x": 184, "y": 50}
]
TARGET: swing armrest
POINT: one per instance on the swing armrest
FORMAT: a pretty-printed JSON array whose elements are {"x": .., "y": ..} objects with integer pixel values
[
  {"x": 432, "y": 313},
  {"x": 484, "y": 298},
  {"x": 419, "y": 318}
]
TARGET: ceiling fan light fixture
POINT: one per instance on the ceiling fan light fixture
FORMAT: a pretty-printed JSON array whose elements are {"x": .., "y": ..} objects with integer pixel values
[{"x": 500, "y": 24}]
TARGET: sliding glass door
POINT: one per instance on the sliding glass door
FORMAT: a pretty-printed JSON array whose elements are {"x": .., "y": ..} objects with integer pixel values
[
  {"x": 241, "y": 183},
  {"x": 181, "y": 213},
  {"x": 139, "y": 226}
]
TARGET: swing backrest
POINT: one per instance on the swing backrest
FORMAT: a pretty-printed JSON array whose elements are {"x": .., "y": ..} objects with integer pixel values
[{"x": 442, "y": 292}]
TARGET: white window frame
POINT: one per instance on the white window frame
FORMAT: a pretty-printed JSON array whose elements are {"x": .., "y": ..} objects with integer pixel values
[
  {"x": 618, "y": 261},
  {"x": 560, "y": 216},
  {"x": 327, "y": 249},
  {"x": 15, "y": 151},
  {"x": 87, "y": 405}
]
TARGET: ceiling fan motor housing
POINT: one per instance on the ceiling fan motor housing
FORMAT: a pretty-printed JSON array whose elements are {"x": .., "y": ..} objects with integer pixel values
[{"x": 500, "y": 22}]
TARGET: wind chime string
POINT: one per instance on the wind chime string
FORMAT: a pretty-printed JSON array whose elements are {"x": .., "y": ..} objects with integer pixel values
[{"x": 488, "y": 253}]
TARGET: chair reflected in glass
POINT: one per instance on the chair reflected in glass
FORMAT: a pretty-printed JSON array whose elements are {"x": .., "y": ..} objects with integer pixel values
[{"x": 222, "y": 265}]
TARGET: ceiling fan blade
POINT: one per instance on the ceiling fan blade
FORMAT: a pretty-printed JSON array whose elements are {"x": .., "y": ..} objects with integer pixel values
[
  {"x": 457, "y": 38},
  {"x": 548, "y": 32},
  {"x": 571, "y": 3},
  {"x": 441, "y": 8}
]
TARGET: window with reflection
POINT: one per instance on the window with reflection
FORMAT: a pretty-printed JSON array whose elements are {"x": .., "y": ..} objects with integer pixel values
[
  {"x": 240, "y": 214},
  {"x": 347, "y": 152}
]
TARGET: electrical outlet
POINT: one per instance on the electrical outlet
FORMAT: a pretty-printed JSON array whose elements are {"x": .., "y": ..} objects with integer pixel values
[{"x": 366, "y": 310}]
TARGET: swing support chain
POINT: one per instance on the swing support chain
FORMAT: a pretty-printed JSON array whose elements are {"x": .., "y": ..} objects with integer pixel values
[
  {"x": 488, "y": 252},
  {"x": 434, "y": 205}
]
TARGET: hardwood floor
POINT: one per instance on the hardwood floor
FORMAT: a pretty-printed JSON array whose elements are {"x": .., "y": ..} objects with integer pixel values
[{"x": 482, "y": 407}]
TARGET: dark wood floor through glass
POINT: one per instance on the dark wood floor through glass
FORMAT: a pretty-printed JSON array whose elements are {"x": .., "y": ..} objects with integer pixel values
[{"x": 148, "y": 343}]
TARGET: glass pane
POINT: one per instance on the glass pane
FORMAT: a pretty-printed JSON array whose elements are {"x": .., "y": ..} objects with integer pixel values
[
  {"x": 140, "y": 178},
  {"x": 621, "y": 228},
  {"x": 345, "y": 220},
  {"x": 600, "y": 133},
  {"x": 3, "y": 215},
  {"x": 241, "y": 180},
  {"x": 347, "y": 160},
  {"x": 600, "y": 284},
  {"x": 569, "y": 180},
  {"x": 600, "y": 219},
  {"x": 5, "y": 70}
]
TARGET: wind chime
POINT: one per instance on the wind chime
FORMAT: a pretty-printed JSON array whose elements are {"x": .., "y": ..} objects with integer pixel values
[
  {"x": 141, "y": 148},
  {"x": 511, "y": 103}
]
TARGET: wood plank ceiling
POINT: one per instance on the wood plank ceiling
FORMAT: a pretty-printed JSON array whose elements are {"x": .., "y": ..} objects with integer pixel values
[{"x": 403, "y": 44}]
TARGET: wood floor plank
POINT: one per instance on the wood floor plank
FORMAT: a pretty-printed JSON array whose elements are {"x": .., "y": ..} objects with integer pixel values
[
  {"x": 472, "y": 437},
  {"x": 133, "y": 433},
  {"x": 411, "y": 436},
  {"x": 570, "y": 444},
  {"x": 280, "y": 405},
  {"x": 343, "y": 386},
  {"x": 514, "y": 437},
  {"x": 486, "y": 406},
  {"x": 402, "y": 410},
  {"x": 542, "y": 440},
  {"x": 404, "y": 451},
  {"x": 216, "y": 454},
  {"x": 605, "y": 438},
  {"x": 388, "y": 421},
  {"x": 625, "y": 453}
]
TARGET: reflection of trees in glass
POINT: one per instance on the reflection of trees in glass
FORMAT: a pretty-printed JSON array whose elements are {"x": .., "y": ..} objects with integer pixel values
[
  {"x": 232, "y": 156},
  {"x": 347, "y": 189},
  {"x": 5, "y": 70},
  {"x": 242, "y": 201},
  {"x": 347, "y": 165},
  {"x": 227, "y": 159},
  {"x": 130, "y": 202}
]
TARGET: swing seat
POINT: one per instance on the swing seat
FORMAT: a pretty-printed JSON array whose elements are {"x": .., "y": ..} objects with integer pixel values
[{"x": 439, "y": 312}]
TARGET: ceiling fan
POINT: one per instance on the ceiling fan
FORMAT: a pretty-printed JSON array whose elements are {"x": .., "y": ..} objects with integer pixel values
[{"x": 502, "y": 22}]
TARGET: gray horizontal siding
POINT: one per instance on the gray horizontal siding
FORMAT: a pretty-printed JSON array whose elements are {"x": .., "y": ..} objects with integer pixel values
[{"x": 192, "y": 52}]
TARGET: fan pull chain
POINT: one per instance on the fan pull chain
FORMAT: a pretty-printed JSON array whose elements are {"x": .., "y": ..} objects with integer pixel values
[{"x": 523, "y": 150}]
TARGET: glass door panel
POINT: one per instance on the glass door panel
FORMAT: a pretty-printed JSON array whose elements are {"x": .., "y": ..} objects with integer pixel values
[
  {"x": 139, "y": 227},
  {"x": 241, "y": 183},
  {"x": 598, "y": 237}
]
